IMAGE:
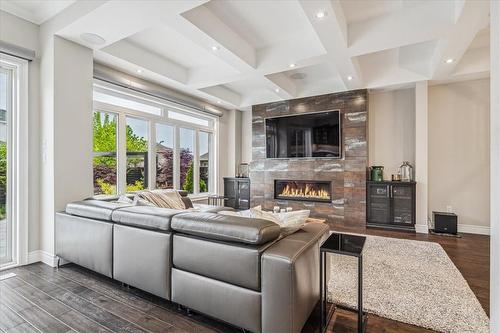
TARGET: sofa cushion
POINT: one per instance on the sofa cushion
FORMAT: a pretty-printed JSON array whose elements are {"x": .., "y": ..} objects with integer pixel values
[
  {"x": 94, "y": 209},
  {"x": 146, "y": 217},
  {"x": 226, "y": 228},
  {"x": 234, "y": 263},
  {"x": 210, "y": 208}
]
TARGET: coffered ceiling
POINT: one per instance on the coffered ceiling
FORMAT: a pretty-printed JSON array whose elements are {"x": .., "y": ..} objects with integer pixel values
[{"x": 245, "y": 52}]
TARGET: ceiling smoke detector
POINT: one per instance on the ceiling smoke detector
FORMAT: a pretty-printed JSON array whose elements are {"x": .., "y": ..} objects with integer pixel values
[
  {"x": 298, "y": 76},
  {"x": 92, "y": 38}
]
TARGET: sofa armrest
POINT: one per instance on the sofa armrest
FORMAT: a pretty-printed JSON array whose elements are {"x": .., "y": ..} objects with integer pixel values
[{"x": 290, "y": 279}]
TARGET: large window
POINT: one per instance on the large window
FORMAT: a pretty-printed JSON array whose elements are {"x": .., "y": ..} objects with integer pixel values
[
  {"x": 205, "y": 143},
  {"x": 164, "y": 156},
  {"x": 155, "y": 145},
  {"x": 105, "y": 160},
  {"x": 137, "y": 154},
  {"x": 186, "y": 159}
]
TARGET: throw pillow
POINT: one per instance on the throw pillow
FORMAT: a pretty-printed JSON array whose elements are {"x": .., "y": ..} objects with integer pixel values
[
  {"x": 289, "y": 222},
  {"x": 163, "y": 198},
  {"x": 138, "y": 201},
  {"x": 124, "y": 199}
]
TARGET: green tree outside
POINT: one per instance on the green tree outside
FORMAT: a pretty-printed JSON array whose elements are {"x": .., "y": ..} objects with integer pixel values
[
  {"x": 105, "y": 141},
  {"x": 189, "y": 182}
]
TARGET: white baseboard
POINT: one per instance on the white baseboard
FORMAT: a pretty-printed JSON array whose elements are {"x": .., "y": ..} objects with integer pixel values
[
  {"x": 43, "y": 256},
  {"x": 422, "y": 228},
  {"x": 473, "y": 229},
  {"x": 462, "y": 228}
]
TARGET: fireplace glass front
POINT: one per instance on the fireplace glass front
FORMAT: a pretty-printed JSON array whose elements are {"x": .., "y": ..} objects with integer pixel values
[{"x": 303, "y": 190}]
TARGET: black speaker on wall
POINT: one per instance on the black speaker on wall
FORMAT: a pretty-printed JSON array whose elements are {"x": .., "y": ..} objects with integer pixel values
[{"x": 445, "y": 222}]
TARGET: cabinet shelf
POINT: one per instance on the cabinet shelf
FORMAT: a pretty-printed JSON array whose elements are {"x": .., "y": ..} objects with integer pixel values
[
  {"x": 391, "y": 205},
  {"x": 237, "y": 192}
]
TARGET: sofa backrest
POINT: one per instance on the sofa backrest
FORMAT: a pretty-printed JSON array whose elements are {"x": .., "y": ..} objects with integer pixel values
[{"x": 226, "y": 228}]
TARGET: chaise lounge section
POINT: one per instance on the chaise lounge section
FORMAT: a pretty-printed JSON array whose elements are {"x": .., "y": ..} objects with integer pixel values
[{"x": 236, "y": 269}]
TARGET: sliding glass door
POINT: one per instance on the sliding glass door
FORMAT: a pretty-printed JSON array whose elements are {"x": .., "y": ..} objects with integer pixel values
[{"x": 6, "y": 230}]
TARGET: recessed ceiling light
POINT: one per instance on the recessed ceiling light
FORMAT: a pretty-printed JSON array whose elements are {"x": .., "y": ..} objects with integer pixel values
[
  {"x": 349, "y": 78},
  {"x": 292, "y": 65},
  {"x": 92, "y": 38},
  {"x": 321, "y": 14},
  {"x": 277, "y": 90},
  {"x": 139, "y": 71},
  {"x": 219, "y": 102},
  {"x": 215, "y": 48},
  {"x": 450, "y": 60}
]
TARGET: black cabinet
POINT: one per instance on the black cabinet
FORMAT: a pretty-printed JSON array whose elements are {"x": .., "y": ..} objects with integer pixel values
[
  {"x": 390, "y": 204},
  {"x": 237, "y": 192}
]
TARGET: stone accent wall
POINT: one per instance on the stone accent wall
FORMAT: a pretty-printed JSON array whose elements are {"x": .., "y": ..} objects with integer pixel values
[{"x": 348, "y": 175}]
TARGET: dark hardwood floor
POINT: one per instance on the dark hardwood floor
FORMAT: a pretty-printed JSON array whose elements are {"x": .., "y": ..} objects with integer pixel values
[{"x": 43, "y": 299}]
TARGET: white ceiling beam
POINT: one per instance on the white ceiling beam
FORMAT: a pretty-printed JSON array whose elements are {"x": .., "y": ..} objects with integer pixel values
[
  {"x": 126, "y": 18},
  {"x": 232, "y": 47},
  {"x": 473, "y": 18},
  {"x": 409, "y": 25},
  {"x": 282, "y": 85},
  {"x": 223, "y": 94},
  {"x": 148, "y": 61},
  {"x": 332, "y": 32}
]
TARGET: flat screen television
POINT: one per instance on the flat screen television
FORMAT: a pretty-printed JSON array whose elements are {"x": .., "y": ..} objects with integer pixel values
[{"x": 308, "y": 135}]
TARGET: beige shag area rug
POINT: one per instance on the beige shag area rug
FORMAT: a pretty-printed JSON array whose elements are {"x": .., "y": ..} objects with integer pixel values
[{"x": 409, "y": 281}]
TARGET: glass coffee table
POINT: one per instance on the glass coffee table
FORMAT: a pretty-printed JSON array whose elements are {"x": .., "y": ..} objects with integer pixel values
[{"x": 349, "y": 245}]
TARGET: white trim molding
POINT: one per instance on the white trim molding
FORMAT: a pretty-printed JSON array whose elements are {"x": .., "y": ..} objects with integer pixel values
[
  {"x": 17, "y": 170},
  {"x": 421, "y": 228},
  {"x": 473, "y": 229},
  {"x": 42, "y": 256}
]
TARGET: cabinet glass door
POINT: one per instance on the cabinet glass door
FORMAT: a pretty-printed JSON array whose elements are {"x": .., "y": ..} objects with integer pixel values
[
  {"x": 229, "y": 193},
  {"x": 402, "y": 204},
  {"x": 243, "y": 195},
  {"x": 379, "y": 210}
]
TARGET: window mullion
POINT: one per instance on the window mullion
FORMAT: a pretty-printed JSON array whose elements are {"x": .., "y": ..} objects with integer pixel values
[
  {"x": 122, "y": 154},
  {"x": 177, "y": 167},
  {"x": 196, "y": 165},
  {"x": 152, "y": 155}
]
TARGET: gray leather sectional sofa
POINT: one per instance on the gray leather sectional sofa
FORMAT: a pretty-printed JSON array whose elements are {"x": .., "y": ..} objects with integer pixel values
[{"x": 235, "y": 269}]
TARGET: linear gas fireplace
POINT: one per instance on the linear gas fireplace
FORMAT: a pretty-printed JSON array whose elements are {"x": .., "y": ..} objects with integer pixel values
[{"x": 303, "y": 190}]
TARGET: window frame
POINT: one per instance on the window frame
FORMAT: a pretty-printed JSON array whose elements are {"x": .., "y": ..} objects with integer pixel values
[
  {"x": 123, "y": 112},
  {"x": 117, "y": 147},
  {"x": 17, "y": 155}
]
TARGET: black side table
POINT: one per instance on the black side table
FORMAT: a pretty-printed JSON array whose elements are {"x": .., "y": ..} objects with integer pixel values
[{"x": 349, "y": 245}]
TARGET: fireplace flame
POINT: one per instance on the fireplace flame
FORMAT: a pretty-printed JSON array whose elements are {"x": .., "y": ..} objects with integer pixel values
[{"x": 305, "y": 192}]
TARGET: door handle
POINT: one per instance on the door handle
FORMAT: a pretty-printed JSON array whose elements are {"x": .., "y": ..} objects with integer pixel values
[
  {"x": 392, "y": 192},
  {"x": 388, "y": 191}
]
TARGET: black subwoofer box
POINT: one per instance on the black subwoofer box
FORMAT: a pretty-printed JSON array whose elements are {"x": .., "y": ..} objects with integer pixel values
[{"x": 445, "y": 222}]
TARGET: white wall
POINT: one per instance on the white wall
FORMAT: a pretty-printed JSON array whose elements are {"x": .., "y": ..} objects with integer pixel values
[
  {"x": 17, "y": 31},
  {"x": 65, "y": 129},
  {"x": 25, "y": 34},
  {"x": 227, "y": 146},
  {"x": 391, "y": 129},
  {"x": 73, "y": 81},
  {"x": 494, "y": 167},
  {"x": 459, "y": 150}
]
